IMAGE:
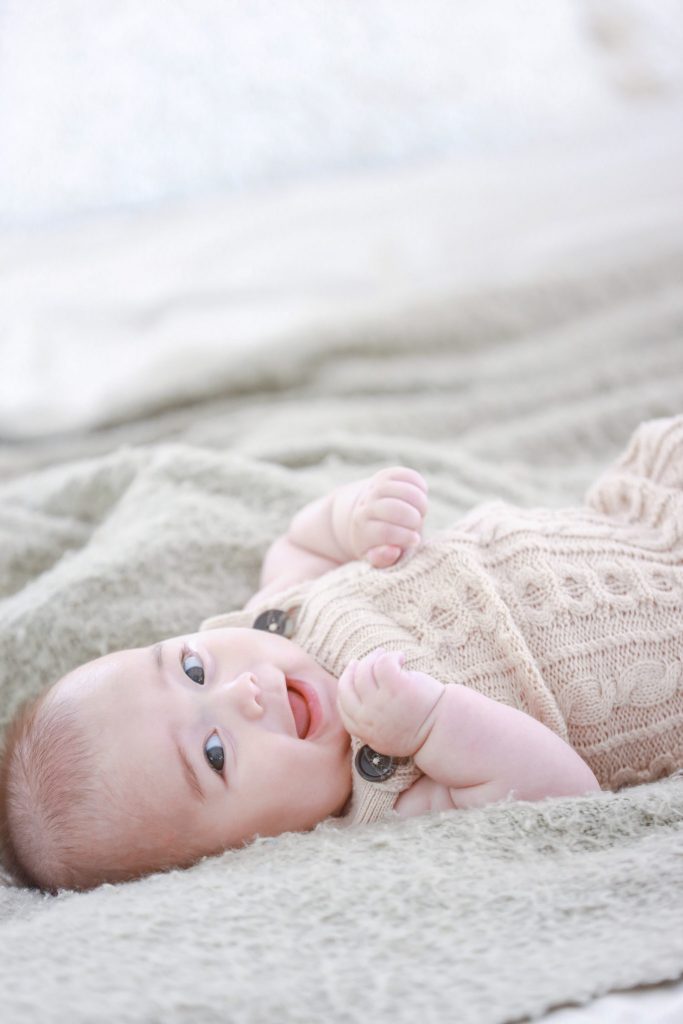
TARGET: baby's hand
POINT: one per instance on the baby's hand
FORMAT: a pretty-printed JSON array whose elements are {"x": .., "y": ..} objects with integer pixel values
[
  {"x": 386, "y": 706},
  {"x": 386, "y": 516}
]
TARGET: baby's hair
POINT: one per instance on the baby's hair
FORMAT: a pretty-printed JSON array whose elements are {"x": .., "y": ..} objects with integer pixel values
[
  {"x": 45, "y": 788},
  {"x": 62, "y": 824}
]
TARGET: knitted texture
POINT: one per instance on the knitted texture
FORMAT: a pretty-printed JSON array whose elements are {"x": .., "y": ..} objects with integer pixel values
[{"x": 571, "y": 615}]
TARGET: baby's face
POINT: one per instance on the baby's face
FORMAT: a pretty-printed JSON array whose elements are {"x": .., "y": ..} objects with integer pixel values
[{"x": 232, "y": 732}]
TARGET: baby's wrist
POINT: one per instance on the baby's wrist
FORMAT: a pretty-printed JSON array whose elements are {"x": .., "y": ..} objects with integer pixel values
[
  {"x": 342, "y": 502},
  {"x": 425, "y": 708}
]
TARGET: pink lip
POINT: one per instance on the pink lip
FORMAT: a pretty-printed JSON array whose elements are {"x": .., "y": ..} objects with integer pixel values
[{"x": 312, "y": 702}]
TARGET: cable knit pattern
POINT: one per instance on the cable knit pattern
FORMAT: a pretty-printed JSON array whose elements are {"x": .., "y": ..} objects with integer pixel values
[{"x": 573, "y": 615}]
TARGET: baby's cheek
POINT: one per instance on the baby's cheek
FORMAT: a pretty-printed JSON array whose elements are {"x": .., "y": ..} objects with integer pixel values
[{"x": 339, "y": 779}]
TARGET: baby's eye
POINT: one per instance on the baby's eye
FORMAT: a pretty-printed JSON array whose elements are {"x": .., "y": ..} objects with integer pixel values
[
  {"x": 215, "y": 755},
  {"x": 193, "y": 667}
]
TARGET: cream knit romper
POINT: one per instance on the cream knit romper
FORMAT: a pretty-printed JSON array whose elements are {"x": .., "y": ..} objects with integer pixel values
[{"x": 575, "y": 616}]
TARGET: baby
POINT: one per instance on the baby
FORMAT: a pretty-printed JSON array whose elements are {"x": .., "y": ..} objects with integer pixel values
[{"x": 558, "y": 632}]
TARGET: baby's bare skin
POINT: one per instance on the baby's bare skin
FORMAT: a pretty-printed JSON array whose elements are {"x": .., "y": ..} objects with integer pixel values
[
  {"x": 375, "y": 520},
  {"x": 473, "y": 750}
]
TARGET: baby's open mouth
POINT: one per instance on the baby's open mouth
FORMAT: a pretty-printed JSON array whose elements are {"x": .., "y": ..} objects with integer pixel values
[{"x": 300, "y": 709}]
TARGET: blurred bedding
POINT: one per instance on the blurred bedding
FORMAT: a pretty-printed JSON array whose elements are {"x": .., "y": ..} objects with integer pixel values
[
  {"x": 178, "y": 380},
  {"x": 125, "y": 105},
  {"x": 108, "y": 321}
]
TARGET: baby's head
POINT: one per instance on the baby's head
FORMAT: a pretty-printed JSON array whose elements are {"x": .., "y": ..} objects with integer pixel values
[{"x": 154, "y": 757}]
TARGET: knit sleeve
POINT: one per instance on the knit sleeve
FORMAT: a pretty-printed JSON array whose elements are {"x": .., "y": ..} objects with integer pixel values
[{"x": 645, "y": 484}]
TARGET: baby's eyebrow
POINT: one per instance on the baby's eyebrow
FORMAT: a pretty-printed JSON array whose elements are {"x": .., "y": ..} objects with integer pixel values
[{"x": 189, "y": 773}]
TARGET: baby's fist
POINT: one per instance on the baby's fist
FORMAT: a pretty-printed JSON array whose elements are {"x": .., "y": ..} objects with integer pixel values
[
  {"x": 387, "y": 515},
  {"x": 386, "y": 706}
]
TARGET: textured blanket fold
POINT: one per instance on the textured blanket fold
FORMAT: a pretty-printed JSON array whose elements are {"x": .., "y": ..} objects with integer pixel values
[{"x": 521, "y": 391}]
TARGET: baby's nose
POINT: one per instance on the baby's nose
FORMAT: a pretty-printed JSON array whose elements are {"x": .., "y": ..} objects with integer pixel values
[{"x": 246, "y": 694}]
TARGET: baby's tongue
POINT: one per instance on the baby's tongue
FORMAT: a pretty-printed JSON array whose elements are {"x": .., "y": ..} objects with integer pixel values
[{"x": 302, "y": 719}]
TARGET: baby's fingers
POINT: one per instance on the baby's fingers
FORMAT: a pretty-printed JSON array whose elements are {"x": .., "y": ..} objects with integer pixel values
[
  {"x": 406, "y": 492},
  {"x": 396, "y": 511},
  {"x": 405, "y": 474},
  {"x": 357, "y": 682},
  {"x": 377, "y": 533},
  {"x": 346, "y": 687},
  {"x": 383, "y": 556}
]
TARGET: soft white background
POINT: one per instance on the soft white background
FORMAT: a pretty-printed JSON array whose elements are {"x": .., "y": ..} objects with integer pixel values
[
  {"x": 108, "y": 103},
  {"x": 180, "y": 179}
]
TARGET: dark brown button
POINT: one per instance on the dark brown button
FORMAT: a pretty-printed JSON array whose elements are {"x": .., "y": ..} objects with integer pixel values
[
  {"x": 274, "y": 620},
  {"x": 374, "y": 767}
]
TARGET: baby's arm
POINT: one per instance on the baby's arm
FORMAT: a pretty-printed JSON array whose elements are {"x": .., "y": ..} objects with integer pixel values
[
  {"x": 476, "y": 748},
  {"x": 376, "y": 518}
]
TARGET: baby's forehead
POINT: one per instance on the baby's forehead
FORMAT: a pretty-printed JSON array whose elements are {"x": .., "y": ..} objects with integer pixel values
[{"x": 101, "y": 673}]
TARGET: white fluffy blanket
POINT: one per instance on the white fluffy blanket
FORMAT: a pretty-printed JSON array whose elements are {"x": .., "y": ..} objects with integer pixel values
[{"x": 516, "y": 371}]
